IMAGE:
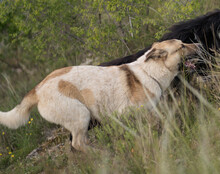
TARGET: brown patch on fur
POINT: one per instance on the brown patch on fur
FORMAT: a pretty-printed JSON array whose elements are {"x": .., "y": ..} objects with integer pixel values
[
  {"x": 55, "y": 73},
  {"x": 30, "y": 99},
  {"x": 31, "y": 93},
  {"x": 136, "y": 90},
  {"x": 85, "y": 96},
  {"x": 88, "y": 97},
  {"x": 69, "y": 90}
]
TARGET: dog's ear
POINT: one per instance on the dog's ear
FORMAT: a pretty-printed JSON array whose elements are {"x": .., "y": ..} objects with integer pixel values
[{"x": 156, "y": 53}]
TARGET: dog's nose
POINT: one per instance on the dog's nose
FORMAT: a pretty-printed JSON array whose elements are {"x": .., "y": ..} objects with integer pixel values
[{"x": 196, "y": 46}]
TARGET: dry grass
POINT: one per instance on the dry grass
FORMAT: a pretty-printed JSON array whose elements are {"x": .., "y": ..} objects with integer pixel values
[{"x": 181, "y": 135}]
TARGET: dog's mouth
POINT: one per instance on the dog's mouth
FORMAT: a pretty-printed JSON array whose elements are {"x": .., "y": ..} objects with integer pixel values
[
  {"x": 191, "y": 60},
  {"x": 190, "y": 63}
]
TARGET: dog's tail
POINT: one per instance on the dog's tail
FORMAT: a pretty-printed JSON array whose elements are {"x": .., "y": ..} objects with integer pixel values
[{"x": 20, "y": 114}]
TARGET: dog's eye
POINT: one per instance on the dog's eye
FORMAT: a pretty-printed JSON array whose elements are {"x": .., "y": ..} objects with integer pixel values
[
  {"x": 182, "y": 46},
  {"x": 179, "y": 49}
]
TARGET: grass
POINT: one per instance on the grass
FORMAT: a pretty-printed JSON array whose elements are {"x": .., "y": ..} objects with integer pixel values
[{"x": 180, "y": 136}]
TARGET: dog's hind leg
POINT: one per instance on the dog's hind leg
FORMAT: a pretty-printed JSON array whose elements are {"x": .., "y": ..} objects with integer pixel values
[
  {"x": 93, "y": 123},
  {"x": 71, "y": 114},
  {"x": 79, "y": 129}
]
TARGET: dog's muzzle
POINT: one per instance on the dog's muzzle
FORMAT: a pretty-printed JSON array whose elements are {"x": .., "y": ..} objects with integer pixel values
[{"x": 192, "y": 57}]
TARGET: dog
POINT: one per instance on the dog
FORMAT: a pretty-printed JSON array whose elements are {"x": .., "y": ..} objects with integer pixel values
[
  {"x": 203, "y": 29},
  {"x": 73, "y": 95}
]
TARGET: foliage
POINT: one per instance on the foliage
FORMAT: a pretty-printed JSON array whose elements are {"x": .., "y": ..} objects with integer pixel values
[
  {"x": 181, "y": 136},
  {"x": 61, "y": 29},
  {"x": 178, "y": 10},
  {"x": 57, "y": 31},
  {"x": 41, "y": 35}
]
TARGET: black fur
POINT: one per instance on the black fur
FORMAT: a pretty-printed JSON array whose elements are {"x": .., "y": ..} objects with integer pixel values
[
  {"x": 204, "y": 29},
  {"x": 127, "y": 59}
]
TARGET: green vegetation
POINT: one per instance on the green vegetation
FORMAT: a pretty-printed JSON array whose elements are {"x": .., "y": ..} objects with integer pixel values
[{"x": 36, "y": 37}]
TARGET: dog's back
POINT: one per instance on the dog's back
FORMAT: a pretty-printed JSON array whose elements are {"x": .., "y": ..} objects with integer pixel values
[{"x": 96, "y": 87}]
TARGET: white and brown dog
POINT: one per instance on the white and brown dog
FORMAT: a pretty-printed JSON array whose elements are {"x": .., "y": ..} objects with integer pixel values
[{"x": 71, "y": 96}]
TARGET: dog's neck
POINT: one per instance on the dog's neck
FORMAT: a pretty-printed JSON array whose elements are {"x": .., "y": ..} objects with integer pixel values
[{"x": 158, "y": 72}]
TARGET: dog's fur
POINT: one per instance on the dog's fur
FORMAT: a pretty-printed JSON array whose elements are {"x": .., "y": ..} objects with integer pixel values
[
  {"x": 71, "y": 96},
  {"x": 204, "y": 29}
]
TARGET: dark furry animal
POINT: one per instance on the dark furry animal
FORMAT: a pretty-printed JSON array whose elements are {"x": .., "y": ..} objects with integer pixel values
[{"x": 204, "y": 29}]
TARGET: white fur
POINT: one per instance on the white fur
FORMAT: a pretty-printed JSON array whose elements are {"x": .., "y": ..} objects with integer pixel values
[{"x": 14, "y": 118}]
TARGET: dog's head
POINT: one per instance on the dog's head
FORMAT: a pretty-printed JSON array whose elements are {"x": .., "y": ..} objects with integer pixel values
[{"x": 172, "y": 53}]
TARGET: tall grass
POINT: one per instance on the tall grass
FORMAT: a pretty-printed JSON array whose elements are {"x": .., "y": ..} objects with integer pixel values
[
  {"x": 17, "y": 144},
  {"x": 181, "y": 135}
]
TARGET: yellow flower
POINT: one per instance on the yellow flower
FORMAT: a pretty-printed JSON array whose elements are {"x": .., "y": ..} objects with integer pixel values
[
  {"x": 9, "y": 153},
  {"x": 219, "y": 109},
  {"x": 12, "y": 156},
  {"x": 29, "y": 122},
  {"x": 0, "y": 154},
  {"x": 142, "y": 106},
  {"x": 32, "y": 119},
  {"x": 30, "y": 133},
  {"x": 7, "y": 147},
  {"x": 3, "y": 133}
]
